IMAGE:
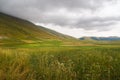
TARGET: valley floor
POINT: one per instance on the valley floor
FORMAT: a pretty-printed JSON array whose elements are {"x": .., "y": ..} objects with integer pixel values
[{"x": 60, "y": 63}]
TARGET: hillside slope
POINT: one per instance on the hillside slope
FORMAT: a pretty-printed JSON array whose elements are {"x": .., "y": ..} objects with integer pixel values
[{"x": 13, "y": 29}]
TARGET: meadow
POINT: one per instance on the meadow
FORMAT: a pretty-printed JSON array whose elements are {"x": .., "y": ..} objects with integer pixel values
[
  {"x": 60, "y": 63},
  {"x": 32, "y": 52}
]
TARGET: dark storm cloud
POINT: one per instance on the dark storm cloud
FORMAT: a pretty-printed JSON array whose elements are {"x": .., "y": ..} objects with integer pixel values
[{"x": 38, "y": 11}]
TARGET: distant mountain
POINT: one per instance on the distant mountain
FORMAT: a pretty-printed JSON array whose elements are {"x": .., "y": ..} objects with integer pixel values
[
  {"x": 17, "y": 30},
  {"x": 111, "y": 38}
]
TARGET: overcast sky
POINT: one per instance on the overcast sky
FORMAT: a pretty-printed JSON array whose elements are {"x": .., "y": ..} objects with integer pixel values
[{"x": 73, "y": 17}]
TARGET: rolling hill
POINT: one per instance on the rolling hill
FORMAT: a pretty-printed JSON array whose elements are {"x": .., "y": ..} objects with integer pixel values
[{"x": 15, "y": 30}]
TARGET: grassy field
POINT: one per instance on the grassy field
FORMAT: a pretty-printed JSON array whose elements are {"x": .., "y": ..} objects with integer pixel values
[
  {"x": 60, "y": 63},
  {"x": 30, "y": 52}
]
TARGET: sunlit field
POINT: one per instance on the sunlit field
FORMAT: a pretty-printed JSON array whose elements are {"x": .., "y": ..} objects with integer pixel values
[{"x": 60, "y": 63}]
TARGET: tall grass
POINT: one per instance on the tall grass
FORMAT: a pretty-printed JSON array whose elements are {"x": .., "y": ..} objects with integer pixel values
[{"x": 81, "y": 63}]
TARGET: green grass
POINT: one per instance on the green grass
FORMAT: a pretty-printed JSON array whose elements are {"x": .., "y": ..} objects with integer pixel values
[{"x": 60, "y": 63}]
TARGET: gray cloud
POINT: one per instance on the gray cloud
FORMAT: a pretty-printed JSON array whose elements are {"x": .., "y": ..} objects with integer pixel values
[
  {"x": 97, "y": 22},
  {"x": 38, "y": 11}
]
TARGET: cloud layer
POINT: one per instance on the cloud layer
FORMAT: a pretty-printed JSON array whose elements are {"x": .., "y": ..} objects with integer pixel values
[{"x": 86, "y": 14}]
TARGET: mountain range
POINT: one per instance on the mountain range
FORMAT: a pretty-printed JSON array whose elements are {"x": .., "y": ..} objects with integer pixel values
[
  {"x": 14, "y": 30},
  {"x": 111, "y": 38}
]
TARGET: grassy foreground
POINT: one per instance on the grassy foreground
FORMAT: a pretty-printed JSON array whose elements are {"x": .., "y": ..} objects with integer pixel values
[{"x": 60, "y": 63}]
